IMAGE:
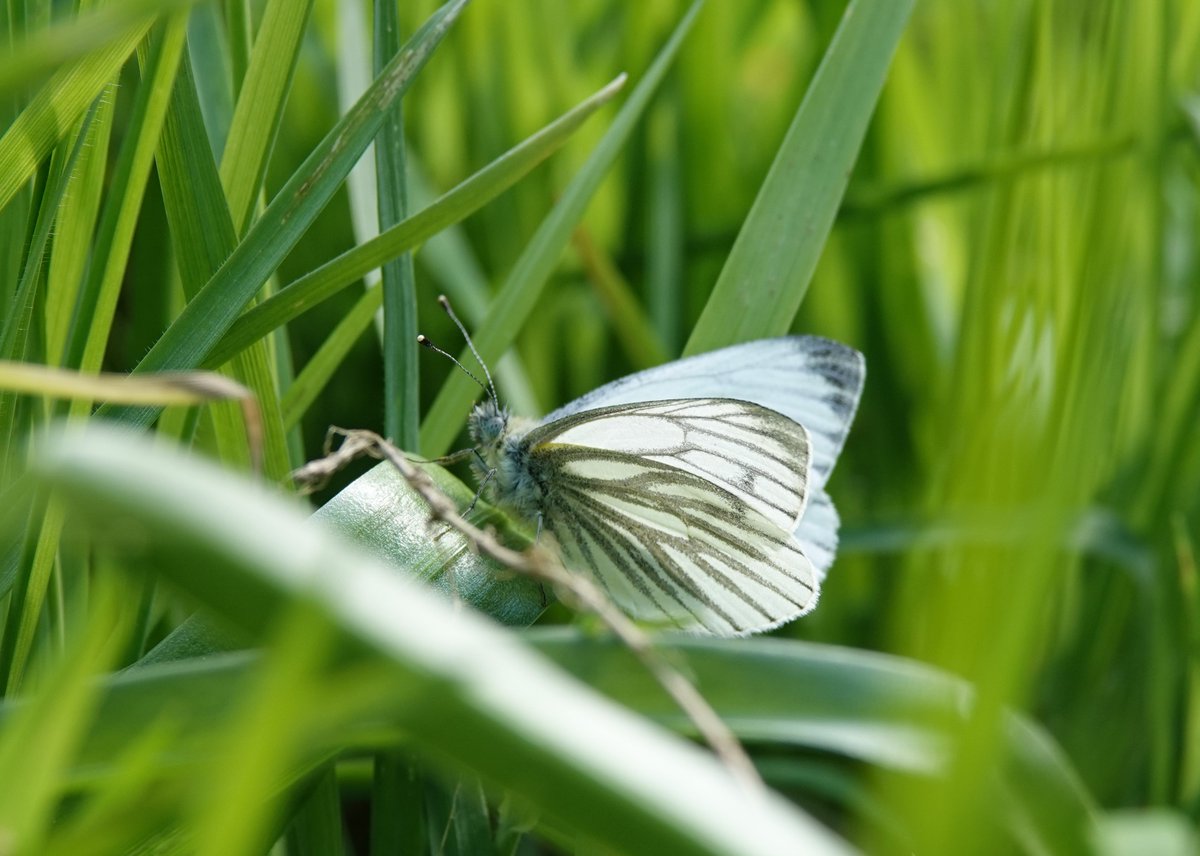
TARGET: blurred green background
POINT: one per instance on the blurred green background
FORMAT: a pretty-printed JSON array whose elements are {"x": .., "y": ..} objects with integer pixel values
[{"x": 1005, "y": 657}]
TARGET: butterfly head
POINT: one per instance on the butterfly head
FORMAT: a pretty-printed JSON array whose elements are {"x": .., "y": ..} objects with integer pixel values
[{"x": 488, "y": 425}]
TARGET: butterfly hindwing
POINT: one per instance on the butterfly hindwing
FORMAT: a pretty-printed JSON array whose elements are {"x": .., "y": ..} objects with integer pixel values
[{"x": 682, "y": 509}]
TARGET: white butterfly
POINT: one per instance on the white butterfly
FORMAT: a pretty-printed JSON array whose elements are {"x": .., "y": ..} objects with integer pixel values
[{"x": 692, "y": 492}]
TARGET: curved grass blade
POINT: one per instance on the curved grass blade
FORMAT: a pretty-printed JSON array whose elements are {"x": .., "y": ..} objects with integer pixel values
[
  {"x": 466, "y": 692},
  {"x": 891, "y": 712}
]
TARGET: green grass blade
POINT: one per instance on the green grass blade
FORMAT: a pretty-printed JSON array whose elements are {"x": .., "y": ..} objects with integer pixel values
[
  {"x": 665, "y": 223},
  {"x": 95, "y": 318},
  {"x": 208, "y": 316},
  {"x": 348, "y": 268},
  {"x": 98, "y": 300},
  {"x": 401, "y": 375},
  {"x": 209, "y": 55},
  {"x": 75, "y": 230},
  {"x": 14, "y": 331},
  {"x": 317, "y": 828},
  {"x": 767, "y": 273},
  {"x": 398, "y": 783},
  {"x": 203, "y": 237},
  {"x": 517, "y": 298},
  {"x": 260, "y": 104},
  {"x": 39, "y": 738},
  {"x": 57, "y": 107},
  {"x": 45, "y": 50},
  {"x": 196, "y": 207},
  {"x": 307, "y": 385}
]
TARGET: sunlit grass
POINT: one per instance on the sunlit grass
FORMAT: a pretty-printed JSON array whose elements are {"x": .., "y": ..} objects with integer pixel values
[{"x": 1005, "y": 655}]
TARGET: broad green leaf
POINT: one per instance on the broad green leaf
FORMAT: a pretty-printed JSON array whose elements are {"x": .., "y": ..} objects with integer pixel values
[{"x": 467, "y": 692}]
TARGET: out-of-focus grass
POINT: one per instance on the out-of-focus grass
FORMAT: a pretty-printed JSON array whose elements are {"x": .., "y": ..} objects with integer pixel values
[{"x": 1016, "y": 254}]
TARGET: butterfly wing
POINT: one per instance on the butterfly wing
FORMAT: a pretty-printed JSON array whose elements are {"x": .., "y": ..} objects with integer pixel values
[
  {"x": 814, "y": 381},
  {"x": 682, "y": 509}
]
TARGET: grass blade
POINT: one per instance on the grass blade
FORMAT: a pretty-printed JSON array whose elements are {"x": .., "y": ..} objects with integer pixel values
[
  {"x": 348, "y": 268},
  {"x": 401, "y": 375},
  {"x": 57, "y": 107},
  {"x": 525, "y": 283},
  {"x": 208, "y": 316},
  {"x": 767, "y": 273},
  {"x": 260, "y": 103}
]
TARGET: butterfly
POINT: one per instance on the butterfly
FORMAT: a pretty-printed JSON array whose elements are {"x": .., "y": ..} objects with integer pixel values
[{"x": 694, "y": 492}]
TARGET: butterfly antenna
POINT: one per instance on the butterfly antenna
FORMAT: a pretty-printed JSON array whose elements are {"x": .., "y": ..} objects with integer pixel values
[
  {"x": 424, "y": 342},
  {"x": 444, "y": 302}
]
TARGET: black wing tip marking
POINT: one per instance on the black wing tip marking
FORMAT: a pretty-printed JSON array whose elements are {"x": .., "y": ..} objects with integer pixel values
[{"x": 839, "y": 365}]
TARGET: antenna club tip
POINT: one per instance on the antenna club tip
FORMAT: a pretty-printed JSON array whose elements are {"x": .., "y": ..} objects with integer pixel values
[
  {"x": 443, "y": 301},
  {"x": 423, "y": 341}
]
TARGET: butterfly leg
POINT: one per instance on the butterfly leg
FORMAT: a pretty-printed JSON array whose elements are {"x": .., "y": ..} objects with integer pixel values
[
  {"x": 483, "y": 483},
  {"x": 537, "y": 538}
]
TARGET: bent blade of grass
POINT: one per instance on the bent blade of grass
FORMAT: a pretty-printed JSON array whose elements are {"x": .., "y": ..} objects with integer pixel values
[
  {"x": 253, "y": 556},
  {"x": 768, "y": 270},
  {"x": 519, "y": 295},
  {"x": 887, "y": 711},
  {"x": 208, "y": 316},
  {"x": 450, "y": 208}
]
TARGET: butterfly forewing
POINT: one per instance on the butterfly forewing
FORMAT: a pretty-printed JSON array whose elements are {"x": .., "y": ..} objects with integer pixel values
[
  {"x": 683, "y": 510},
  {"x": 814, "y": 381},
  {"x": 758, "y": 455}
]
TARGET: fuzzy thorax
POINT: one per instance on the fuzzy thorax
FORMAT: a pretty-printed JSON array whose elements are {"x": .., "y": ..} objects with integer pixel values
[{"x": 500, "y": 441}]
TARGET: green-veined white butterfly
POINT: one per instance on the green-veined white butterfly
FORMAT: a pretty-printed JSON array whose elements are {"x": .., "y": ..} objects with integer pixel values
[{"x": 692, "y": 492}]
